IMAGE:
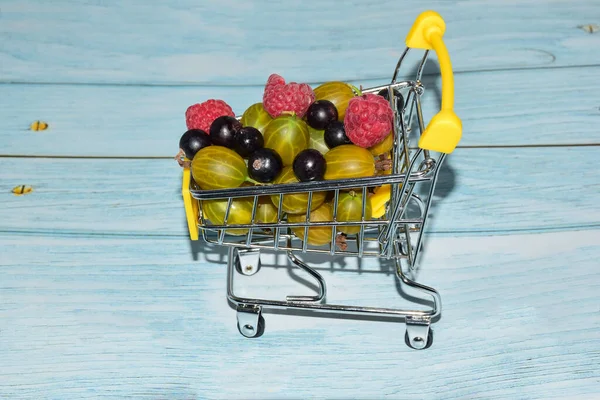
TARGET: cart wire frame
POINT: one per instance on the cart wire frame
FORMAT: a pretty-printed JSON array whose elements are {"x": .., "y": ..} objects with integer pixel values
[{"x": 396, "y": 236}]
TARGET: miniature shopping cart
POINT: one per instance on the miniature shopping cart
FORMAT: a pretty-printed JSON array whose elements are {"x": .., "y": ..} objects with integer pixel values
[{"x": 396, "y": 237}]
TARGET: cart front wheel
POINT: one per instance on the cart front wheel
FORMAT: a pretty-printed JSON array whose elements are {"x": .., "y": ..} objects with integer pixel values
[
  {"x": 417, "y": 342},
  {"x": 250, "y": 321},
  {"x": 250, "y": 332},
  {"x": 418, "y": 335}
]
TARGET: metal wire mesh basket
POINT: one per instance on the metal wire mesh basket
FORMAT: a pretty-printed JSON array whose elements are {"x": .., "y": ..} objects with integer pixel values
[{"x": 397, "y": 235}]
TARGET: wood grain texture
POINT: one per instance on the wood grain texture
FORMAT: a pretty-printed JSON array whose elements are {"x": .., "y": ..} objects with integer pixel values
[
  {"x": 134, "y": 318},
  {"x": 218, "y": 42},
  {"x": 103, "y": 296},
  {"x": 497, "y": 108},
  {"x": 480, "y": 190}
]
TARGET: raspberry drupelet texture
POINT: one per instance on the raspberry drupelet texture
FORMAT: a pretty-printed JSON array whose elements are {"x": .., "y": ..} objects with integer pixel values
[
  {"x": 368, "y": 120},
  {"x": 202, "y": 115},
  {"x": 280, "y": 97}
]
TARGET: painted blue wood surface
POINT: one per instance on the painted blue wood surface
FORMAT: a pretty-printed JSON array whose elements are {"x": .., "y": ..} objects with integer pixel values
[
  {"x": 103, "y": 296},
  {"x": 210, "y": 42},
  {"x": 497, "y": 108},
  {"x": 138, "y": 318}
]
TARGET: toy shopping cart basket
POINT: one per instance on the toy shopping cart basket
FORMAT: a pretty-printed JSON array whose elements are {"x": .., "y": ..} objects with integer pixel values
[{"x": 394, "y": 235}]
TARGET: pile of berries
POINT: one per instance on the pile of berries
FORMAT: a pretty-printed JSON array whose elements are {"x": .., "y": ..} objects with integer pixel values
[
  {"x": 294, "y": 126},
  {"x": 295, "y": 134}
]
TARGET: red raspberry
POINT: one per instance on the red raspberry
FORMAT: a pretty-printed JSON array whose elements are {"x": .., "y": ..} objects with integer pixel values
[
  {"x": 368, "y": 119},
  {"x": 292, "y": 97},
  {"x": 201, "y": 116}
]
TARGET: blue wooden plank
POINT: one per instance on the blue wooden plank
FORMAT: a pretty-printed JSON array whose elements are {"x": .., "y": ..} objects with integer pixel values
[
  {"x": 122, "y": 318},
  {"x": 481, "y": 191},
  {"x": 239, "y": 42},
  {"x": 497, "y": 108}
]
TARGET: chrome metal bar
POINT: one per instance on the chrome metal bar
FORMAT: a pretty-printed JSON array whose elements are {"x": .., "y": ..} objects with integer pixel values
[
  {"x": 437, "y": 301},
  {"x": 361, "y": 233},
  {"x": 253, "y": 219},
  {"x": 399, "y": 147},
  {"x": 397, "y": 210},
  {"x": 303, "y": 266},
  {"x": 314, "y": 302},
  {"x": 428, "y": 205},
  {"x": 405, "y": 142},
  {"x": 308, "y": 211},
  {"x": 304, "y": 187},
  {"x": 422, "y": 65},
  {"x": 268, "y": 245},
  {"x": 278, "y": 226},
  {"x": 400, "y": 204},
  {"x": 399, "y": 64},
  {"x": 398, "y": 86},
  {"x": 324, "y": 224},
  {"x": 227, "y": 210},
  {"x": 332, "y": 244},
  {"x": 409, "y": 249},
  {"x": 201, "y": 214},
  {"x": 421, "y": 122},
  {"x": 409, "y": 100}
]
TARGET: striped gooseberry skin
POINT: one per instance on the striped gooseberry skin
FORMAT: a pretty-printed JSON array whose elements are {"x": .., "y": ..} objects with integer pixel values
[
  {"x": 266, "y": 212},
  {"x": 349, "y": 161},
  {"x": 350, "y": 209},
  {"x": 384, "y": 146},
  {"x": 295, "y": 203},
  {"x": 257, "y": 117},
  {"x": 218, "y": 167},
  {"x": 239, "y": 213},
  {"x": 317, "y": 140},
  {"x": 317, "y": 235},
  {"x": 287, "y": 135},
  {"x": 339, "y": 93}
]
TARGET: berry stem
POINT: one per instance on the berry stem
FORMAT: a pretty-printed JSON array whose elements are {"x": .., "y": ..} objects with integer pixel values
[
  {"x": 248, "y": 179},
  {"x": 182, "y": 160},
  {"x": 356, "y": 90},
  {"x": 340, "y": 241},
  {"x": 383, "y": 164}
]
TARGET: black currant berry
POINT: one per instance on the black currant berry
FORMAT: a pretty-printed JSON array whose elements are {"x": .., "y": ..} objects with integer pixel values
[
  {"x": 320, "y": 113},
  {"x": 309, "y": 165},
  {"x": 248, "y": 140},
  {"x": 335, "y": 134},
  {"x": 397, "y": 95},
  {"x": 192, "y": 141},
  {"x": 264, "y": 165},
  {"x": 223, "y": 131}
]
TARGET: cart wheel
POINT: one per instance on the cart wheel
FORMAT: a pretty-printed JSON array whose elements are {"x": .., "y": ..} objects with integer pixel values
[
  {"x": 247, "y": 261},
  {"x": 417, "y": 341},
  {"x": 418, "y": 335},
  {"x": 250, "y": 321},
  {"x": 250, "y": 331}
]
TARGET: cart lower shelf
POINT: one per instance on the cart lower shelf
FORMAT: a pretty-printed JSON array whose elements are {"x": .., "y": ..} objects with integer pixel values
[{"x": 251, "y": 323}]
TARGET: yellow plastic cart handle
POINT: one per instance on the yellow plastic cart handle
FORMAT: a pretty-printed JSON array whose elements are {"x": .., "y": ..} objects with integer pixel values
[
  {"x": 445, "y": 129},
  {"x": 191, "y": 205}
]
